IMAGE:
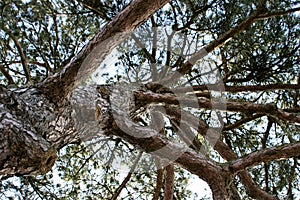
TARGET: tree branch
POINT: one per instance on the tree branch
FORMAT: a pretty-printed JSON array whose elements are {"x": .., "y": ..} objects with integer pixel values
[
  {"x": 169, "y": 182},
  {"x": 278, "y": 13},
  {"x": 7, "y": 75},
  {"x": 23, "y": 150},
  {"x": 159, "y": 179},
  {"x": 235, "y": 89},
  {"x": 140, "y": 45},
  {"x": 210, "y": 47},
  {"x": 241, "y": 122},
  {"x": 62, "y": 83},
  {"x": 127, "y": 178},
  {"x": 95, "y": 9},
  {"x": 226, "y": 153},
  {"x": 116, "y": 121},
  {"x": 234, "y": 106},
  {"x": 266, "y": 155},
  {"x": 23, "y": 59}
]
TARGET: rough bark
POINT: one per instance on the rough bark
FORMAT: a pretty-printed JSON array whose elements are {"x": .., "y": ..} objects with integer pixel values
[
  {"x": 219, "y": 104},
  {"x": 36, "y": 121},
  {"x": 117, "y": 105},
  {"x": 61, "y": 84},
  {"x": 266, "y": 155},
  {"x": 25, "y": 116},
  {"x": 169, "y": 182},
  {"x": 22, "y": 110}
]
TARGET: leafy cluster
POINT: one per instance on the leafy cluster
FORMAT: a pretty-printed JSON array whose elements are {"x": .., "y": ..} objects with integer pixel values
[{"x": 38, "y": 38}]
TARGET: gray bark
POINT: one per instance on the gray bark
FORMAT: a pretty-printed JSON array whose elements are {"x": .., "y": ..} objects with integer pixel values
[
  {"x": 37, "y": 121},
  {"x": 32, "y": 129},
  {"x": 25, "y": 124}
]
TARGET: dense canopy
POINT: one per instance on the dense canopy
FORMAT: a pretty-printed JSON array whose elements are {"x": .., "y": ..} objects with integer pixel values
[{"x": 205, "y": 89}]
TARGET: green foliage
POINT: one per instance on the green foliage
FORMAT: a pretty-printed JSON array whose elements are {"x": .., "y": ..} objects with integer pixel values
[{"x": 51, "y": 32}]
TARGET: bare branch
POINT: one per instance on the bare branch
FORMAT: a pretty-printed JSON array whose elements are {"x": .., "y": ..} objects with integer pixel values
[
  {"x": 96, "y": 10},
  {"x": 140, "y": 45},
  {"x": 252, "y": 188},
  {"x": 233, "y": 106},
  {"x": 266, "y": 155},
  {"x": 242, "y": 121},
  {"x": 23, "y": 59},
  {"x": 153, "y": 66},
  {"x": 7, "y": 75},
  {"x": 213, "y": 45},
  {"x": 127, "y": 178},
  {"x": 169, "y": 182},
  {"x": 159, "y": 179},
  {"x": 150, "y": 140},
  {"x": 226, "y": 153},
  {"x": 235, "y": 89},
  {"x": 278, "y": 13},
  {"x": 289, "y": 117},
  {"x": 62, "y": 83}
]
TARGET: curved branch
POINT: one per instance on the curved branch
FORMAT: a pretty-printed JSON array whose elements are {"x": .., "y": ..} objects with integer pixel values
[
  {"x": 7, "y": 75},
  {"x": 116, "y": 121},
  {"x": 266, "y": 155},
  {"x": 227, "y": 153},
  {"x": 62, "y": 83},
  {"x": 213, "y": 45},
  {"x": 235, "y": 89},
  {"x": 234, "y": 106},
  {"x": 278, "y": 13}
]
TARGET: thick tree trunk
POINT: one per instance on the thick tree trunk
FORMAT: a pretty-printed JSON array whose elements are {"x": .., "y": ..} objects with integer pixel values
[
  {"x": 34, "y": 122},
  {"x": 25, "y": 117},
  {"x": 37, "y": 121},
  {"x": 33, "y": 128}
]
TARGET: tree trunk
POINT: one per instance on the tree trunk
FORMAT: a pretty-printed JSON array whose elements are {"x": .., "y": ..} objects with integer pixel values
[
  {"x": 25, "y": 123},
  {"x": 37, "y": 121},
  {"x": 33, "y": 129}
]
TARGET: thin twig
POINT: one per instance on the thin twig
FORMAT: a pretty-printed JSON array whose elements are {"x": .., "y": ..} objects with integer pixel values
[{"x": 127, "y": 178}]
